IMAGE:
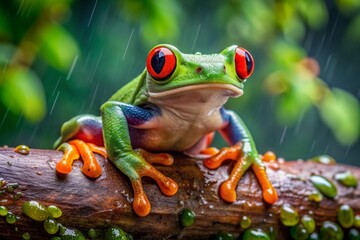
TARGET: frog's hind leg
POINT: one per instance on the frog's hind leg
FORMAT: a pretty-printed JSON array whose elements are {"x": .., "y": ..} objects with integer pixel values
[
  {"x": 76, "y": 148},
  {"x": 64, "y": 166},
  {"x": 157, "y": 158},
  {"x": 202, "y": 148},
  {"x": 81, "y": 137},
  {"x": 210, "y": 151}
]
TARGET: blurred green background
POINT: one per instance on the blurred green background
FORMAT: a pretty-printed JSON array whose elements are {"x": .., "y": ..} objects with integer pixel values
[{"x": 62, "y": 58}]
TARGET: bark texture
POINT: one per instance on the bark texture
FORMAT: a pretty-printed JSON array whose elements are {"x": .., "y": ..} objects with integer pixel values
[{"x": 106, "y": 201}]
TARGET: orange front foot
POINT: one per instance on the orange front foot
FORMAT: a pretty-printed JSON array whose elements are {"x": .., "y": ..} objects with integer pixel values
[
  {"x": 138, "y": 165},
  {"x": 73, "y": 150},
  {"x": 243, "y": 160}
]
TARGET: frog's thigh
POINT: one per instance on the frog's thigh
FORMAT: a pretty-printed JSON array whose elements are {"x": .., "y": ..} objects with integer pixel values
[{"x": 87, "y": 128}]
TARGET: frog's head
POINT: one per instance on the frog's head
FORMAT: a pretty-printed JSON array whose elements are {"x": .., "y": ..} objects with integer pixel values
[{"x": 171, "y": 72}]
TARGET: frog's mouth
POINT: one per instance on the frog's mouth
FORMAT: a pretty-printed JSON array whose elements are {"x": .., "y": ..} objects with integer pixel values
[{"x": 227, "y": 90}]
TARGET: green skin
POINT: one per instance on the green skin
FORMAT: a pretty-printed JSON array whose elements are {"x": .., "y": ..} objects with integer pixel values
[{"x": 190, "y": 103}]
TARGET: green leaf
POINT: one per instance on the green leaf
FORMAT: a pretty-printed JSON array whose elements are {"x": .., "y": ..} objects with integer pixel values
[
  {"x": 348, "y": 6},
  {"x": 22, "y": 92},
  {"x": 161, "y": 22},
  {"x": 58, "y": 47},
  {"x": 286, "y": 54},
  {"x": 341, "y": 112},
  {"x": 314, "y": 12},
  {"x": 291, "y": 106},
  {"x": 352, "y": 35}
]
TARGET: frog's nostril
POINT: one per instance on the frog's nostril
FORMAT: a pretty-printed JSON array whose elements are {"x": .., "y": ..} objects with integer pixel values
[{"x": 199, "y": 69}]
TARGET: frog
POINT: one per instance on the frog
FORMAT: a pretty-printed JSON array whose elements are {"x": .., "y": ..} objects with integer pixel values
[{"x": 175, "y": 105}]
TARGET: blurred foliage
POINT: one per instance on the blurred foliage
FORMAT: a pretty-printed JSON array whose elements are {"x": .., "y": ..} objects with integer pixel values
[
  {"x": 51, "y": 51},
  {"x": 35, "y": 31},
  {"x": 280, "y": 26},
  {"x": 157, "y": 18}
]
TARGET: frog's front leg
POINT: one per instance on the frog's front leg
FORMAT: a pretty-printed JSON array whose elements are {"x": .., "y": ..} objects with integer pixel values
[
  {"x": 116, "y": 118},
  {"x": 244, "y": 153}
]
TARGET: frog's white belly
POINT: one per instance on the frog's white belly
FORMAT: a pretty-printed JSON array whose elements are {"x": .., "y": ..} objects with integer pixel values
[{"x": 186, "y": 118}]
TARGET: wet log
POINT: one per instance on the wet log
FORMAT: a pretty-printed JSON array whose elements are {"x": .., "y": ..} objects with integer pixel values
[{"x": 106, "y": 201}]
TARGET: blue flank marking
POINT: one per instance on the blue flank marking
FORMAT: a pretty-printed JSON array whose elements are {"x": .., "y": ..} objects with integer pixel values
[
  {"x": 234, "y": 130},
  {"x": 136, "y": 115}
]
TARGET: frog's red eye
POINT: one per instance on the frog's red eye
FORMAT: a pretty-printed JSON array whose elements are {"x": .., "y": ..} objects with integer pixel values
[
  {"x": 244, "y": 63},
  {"x": 161, "y": 63}
]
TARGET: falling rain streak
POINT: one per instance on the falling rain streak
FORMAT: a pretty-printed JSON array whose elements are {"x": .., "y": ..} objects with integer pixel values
[
  {"x": 56, "y": 98},
  {"x": 96, "y": 66},
  {"x": 3, "y": 120},
  {"x": 3, "y": 72},
  {"x": 128, "y": 43},
  {"x": 93, "y": 97},
  {"x": 92, "y": 13},
  {"x": 22, "y": 8},
  {"x": 72, "y": 67},
  {"x": 56, "y": 86},
  {"x": 283, "y": 135},
  {"x": 313, "y": 146},
  {"x": 21, "y": 4},
  {"x": 196, "y": 37}
]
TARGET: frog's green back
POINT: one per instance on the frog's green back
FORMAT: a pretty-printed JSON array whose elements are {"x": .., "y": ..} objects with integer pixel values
[{"x": 133, "y": 92}]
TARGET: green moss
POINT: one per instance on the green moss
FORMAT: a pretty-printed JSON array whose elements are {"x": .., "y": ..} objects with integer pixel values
[
  {"x": 51, "y": 226},
  {"x": 346, "y": 216},
  {"x": 353, "y": 234},
  {"x": 357, "y": 221},
  {"x": 35, "y": 211},
  {"x": 187, "y": 217},
  {"x": 330, "y": 230},
  {"x": 309, "y": 223},
  {"x": 115, "y": 233},
  {"x": 324, "y": 159},
  {"x": 245, "y": 222},
  {"x": 54, "y": 211},
  {"x": 272, "y": 233},
  {"x": 255, "y": 234},
  {"x": 93, "y": 234},
  {"x": 314, "y": 236},
  {"x": 3, "y": 211},
  {"x": 347, "y": 179},
  {"x": 18, "y": 195},
  {"x": 299, "y": 232},
  {"x": 11, "y": 218},
  {"x": 70, "y": 234},
  {"x": 325, "y": 186},
  {"x": 288, "y": 215},
  {"x": 26, "y": 236},
  {"x": 315, "y": 197},
  {"x": 2, "y": 182},
  {"x": 22, "y": 149}
]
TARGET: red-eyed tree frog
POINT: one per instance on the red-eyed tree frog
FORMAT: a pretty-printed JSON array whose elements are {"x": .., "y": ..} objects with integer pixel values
[{"x": 175, "y": 104}]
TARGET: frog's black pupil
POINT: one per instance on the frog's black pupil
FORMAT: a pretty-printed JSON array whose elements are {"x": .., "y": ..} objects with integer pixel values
[
  {"x": 249, "y": 63},
  {"x": 158, "y": 61}
]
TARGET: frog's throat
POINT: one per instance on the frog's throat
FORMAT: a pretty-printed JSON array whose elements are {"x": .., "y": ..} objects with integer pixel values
[{"x": 229, "y": 90}]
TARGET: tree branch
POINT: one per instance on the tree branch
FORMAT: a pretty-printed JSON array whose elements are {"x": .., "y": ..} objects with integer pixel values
[{"x": 106, "y": 201}]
